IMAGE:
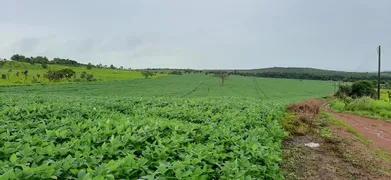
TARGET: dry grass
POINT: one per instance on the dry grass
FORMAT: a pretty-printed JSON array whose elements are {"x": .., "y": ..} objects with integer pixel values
[
  {"x": 310, "y": 107},
  {"x": 300, "y": 118}
]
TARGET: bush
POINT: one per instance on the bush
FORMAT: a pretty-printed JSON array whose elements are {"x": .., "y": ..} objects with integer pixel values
[
  {"x": 343, "y": 91},
  {"x": 361, "y": 89},
  {"x": 53, "y": 75},
  {"x": 83, "y": 75},
  {"x": 90, "y": 77},
  {"x": 3, "y": 76},
  {"x": 44, "y": 65}
]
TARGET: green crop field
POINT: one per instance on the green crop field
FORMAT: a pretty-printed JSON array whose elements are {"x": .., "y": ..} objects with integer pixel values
[
  {"x": 175, "y": 127},
  {"x": 189, "y": 86}
]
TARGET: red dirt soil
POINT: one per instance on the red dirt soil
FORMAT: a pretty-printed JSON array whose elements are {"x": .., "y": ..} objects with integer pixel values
[{"x": 379, "y": 132}]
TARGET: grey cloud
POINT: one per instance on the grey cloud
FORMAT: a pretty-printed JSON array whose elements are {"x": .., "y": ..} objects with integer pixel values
[{"x": 202, "y": 34}]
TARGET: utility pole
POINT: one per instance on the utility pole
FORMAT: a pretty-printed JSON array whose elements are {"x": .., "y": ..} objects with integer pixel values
[{"x": 378, "y": 74}]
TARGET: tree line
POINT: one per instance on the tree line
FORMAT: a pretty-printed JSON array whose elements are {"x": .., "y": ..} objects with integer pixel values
[
  {"x": 314, "y": 76},
  {"x": 59, "y": 61}
]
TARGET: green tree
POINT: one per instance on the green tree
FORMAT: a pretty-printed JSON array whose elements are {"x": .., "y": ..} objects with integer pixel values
[
  {"x": 362, "y": 88},
  {"x": 89, "y": 66},
  {"x": 343, "y": 91},
  {"x": 146, "y": 74},
  {"x": 18, "y": 57}
]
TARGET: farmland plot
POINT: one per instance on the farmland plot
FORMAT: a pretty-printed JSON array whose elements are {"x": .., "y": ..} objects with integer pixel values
[{"x": 59, "y": 137}]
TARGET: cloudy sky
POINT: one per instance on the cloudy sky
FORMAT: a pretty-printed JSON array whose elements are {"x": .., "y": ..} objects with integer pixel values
[{"x": 202, "y": 34}]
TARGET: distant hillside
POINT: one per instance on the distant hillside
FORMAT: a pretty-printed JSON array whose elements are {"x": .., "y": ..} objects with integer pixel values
[
  {"x": 13, "y": 73},
  {"x": 312, "y": 74},
  {"x": 293, "y": 73}
]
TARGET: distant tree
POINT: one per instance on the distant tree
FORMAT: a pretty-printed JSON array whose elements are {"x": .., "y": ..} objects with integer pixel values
[
  {"x": 176, "y": 72},
  {"x": 105, "y": 66},
  {"x": 146, "y": 74},
  {"x": 67, "y": 73},
  {"x": 3, "y": 76},
  {"x": 19, "y": 58},
  {"x": 38, "y": 59},
  {"x": 89, "y": 66},
  {"x": 44, "y": 65},
  {"x": 53, "y": 75},
  {"x": 362, "y": 88},
  {"x": 2, "y": 62},
  {"x": 121, "y": 67},
  {"x": 223, "y": 76}
]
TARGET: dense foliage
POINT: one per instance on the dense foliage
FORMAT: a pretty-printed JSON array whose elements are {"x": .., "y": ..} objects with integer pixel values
[
  {"x": 56, "y": 75},
  {"x": 361, "y": 89},
  {"x": 63, "y": 137},
  {"x": 44, "y": 60}
]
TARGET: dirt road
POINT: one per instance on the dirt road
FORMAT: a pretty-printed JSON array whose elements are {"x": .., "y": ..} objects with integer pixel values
[{"x": 377, "y": 131}]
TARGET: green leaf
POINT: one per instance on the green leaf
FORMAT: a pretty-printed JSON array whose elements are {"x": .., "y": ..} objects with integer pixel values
[
  {"x": 13, "y": 158},
  {"x": 81, "y": 174}
]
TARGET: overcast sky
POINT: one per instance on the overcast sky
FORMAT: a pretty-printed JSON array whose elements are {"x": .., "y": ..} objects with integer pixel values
[{"x": 202, "y": 34}]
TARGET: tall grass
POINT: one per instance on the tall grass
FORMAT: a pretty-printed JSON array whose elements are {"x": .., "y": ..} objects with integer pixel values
[{"x": 366, "y": 107}]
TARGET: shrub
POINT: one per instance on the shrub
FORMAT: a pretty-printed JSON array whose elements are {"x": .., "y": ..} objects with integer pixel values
[
  {"x": 90, "y": 77},
  {"x": 343, "y": 91},
  {"x": 3, "y": 76},
  {"x": 83, "y": 75},
  {"x": 361, "y": 89},
  {"x": 53, "y": 75},
  {"x": 67, "y": 73},
  {"x": 44, "y": 65}
]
